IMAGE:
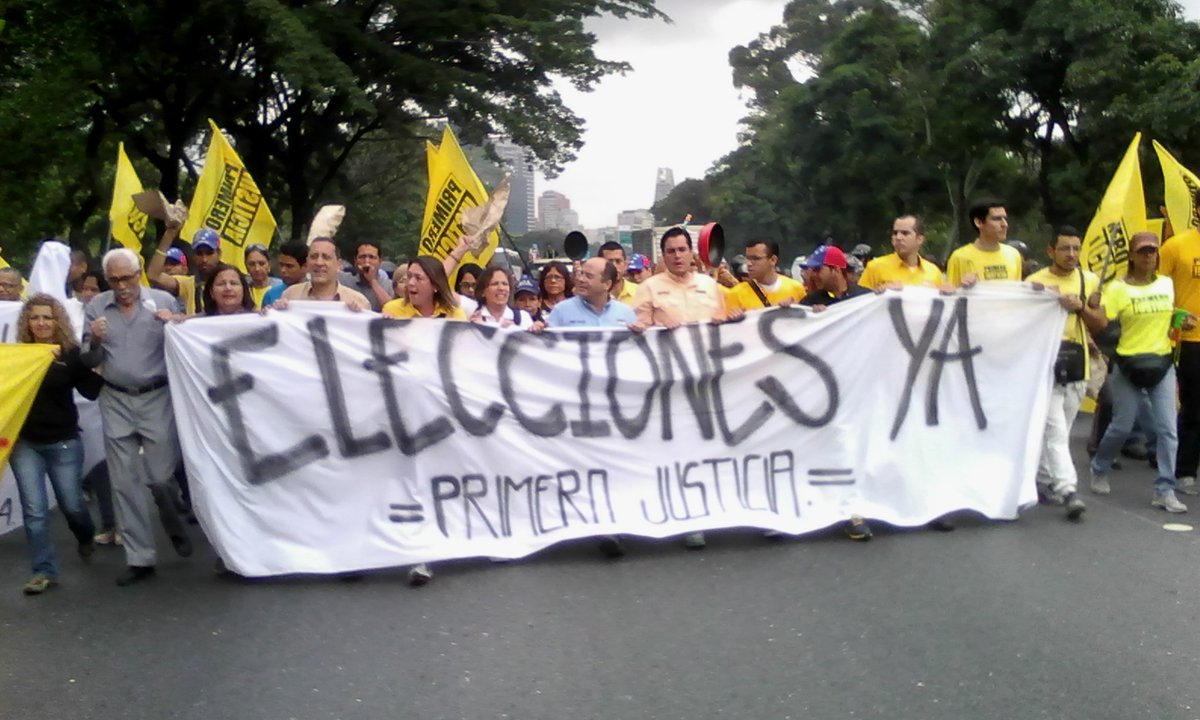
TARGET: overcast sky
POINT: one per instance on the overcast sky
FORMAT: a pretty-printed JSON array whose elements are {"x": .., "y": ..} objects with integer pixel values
[
  {"x": 629, "y": 132},
  {"x": 635, "y": 123}
]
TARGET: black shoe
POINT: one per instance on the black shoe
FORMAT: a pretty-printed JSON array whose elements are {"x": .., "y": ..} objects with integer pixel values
[
  {"x": 1116, "y": 465},
  {"x": 858, "y": 529},
  {"x": 941, "y": 525},
  {"x": 1075, "y": 506},
  {"x": 182, "y": 545},
  {"x": 134, "y": 574},
  {"x": 87, "y": 549},
  {"x": 611, "y": 547}
]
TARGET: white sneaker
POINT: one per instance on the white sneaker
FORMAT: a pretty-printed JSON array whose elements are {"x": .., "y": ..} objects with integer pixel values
[
  {"x": 1187, "y": 486},
  {"x": 1100, "y": 484},
  {"x": 1167, "y": 501}
]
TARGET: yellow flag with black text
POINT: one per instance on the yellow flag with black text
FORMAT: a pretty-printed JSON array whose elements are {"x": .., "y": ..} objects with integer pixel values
[
  {"x": 128, "y": 223},
  {"x": 228, "y": 201},
  {"x": 453, "y": 186},
  {"x": 1181, "y": 189},
  {"x": 1122, "y": 213},
  {"x": 24, "y": 367}
]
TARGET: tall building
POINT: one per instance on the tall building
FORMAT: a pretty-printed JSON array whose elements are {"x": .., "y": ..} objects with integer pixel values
[
  {"x": 519, "y": 215},
  {"x": 664, "y": 184},
  {"x": 555, "y": 213},
  {"x": 635, "y": 219}
]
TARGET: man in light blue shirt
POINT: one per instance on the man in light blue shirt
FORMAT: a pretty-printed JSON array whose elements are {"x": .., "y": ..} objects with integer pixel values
[{"x": 592, "y": 305}]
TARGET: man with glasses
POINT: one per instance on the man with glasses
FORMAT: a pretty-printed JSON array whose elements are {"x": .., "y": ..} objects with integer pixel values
[
  {"x": 10, "y": 284},
  {"x": 126, "y": 323},
  {"x": 764, "y": 286}
]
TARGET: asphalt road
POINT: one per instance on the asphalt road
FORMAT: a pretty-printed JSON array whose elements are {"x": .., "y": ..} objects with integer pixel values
[{"x": 1031, "y": 619}]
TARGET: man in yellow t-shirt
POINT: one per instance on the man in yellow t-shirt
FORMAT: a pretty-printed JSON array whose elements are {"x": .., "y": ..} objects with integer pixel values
[
  {"x": 988, "y": 258},
  {"x": 764, "y": 287},
  {"x": 624, "y": 289},
  {"x": 905, "y": 266},
  {"x": 1179, "y": 260},
  {"x": 1079, "y": 294}
]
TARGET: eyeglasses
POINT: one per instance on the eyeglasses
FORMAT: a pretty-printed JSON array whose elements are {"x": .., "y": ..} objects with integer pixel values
[
  {"x": 121, "y": 279},
  {"x": 757, "y": 258}
]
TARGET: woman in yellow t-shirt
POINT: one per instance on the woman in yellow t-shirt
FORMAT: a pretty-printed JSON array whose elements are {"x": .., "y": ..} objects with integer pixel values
[
  {"x": 258, "y": 268},
  {"x": 426, "y": 293},
  {"x": 1143, "y": 302}
]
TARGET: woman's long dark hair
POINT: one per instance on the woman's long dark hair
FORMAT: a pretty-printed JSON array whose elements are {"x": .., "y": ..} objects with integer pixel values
[
  {"x": 566, "y": 274},
  {"x": 210, "y": 305},
  {"x": 443, "y": 299}
]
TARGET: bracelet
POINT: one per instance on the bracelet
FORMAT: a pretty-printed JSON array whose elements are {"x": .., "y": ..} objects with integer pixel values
[{"x": 160, "y": 252}]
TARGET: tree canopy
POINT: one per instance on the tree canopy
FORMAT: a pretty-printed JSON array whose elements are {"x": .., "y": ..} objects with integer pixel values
[
  {"x": 324, "y": 101},
  {"x": 864, "y": 109}
]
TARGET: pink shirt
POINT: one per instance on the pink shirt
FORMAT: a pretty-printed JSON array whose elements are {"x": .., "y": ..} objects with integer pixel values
[{"x": 664, "y": 299}]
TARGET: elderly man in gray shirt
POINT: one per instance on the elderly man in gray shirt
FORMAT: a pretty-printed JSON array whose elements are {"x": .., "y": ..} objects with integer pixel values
[{"x": 135, "y": 404}]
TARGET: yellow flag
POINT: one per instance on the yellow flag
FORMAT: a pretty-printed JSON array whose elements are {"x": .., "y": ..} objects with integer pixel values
[
  {"x": 453, "y": 186},
  {"x": 228, "y": 201},
  {"x": 24, "y": 367},
  {"x": 128, "y": 223},
  {"x": 1122, "y": 213},
  {"x": 1181, "y": 188},
  {"x": 1155, "y": 225}
]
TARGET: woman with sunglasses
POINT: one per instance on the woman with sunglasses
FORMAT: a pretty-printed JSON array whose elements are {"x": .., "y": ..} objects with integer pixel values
[
  {"x": 258, "y": 267},
  {"x": 1143, "y": 303}
]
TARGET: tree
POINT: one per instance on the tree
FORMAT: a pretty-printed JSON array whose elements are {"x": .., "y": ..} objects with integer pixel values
[
  {"x": 300, "y": 85},
  {"x": 692, "y": 197}
]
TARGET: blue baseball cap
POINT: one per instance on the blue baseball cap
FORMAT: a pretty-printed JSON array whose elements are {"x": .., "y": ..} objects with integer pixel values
[
  {"x": 637, "y": 263},
  {"x": 826, "y": 255},
  {"x": 206, "y": 237},
  {"x": 526, "y": 284},
  {"x": 176, "y": 255}
]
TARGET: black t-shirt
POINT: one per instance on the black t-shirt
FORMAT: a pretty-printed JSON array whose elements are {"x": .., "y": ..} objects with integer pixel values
[
  {"x": 824, "y": 297},
  {"x": 53, "y": 417}
]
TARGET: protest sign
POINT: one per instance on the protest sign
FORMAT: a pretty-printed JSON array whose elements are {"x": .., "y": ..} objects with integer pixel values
[
  {"x": 319, "y": 440},
  {"x": 1122, "y": 212},
  {"x": 228, "y": 201}
]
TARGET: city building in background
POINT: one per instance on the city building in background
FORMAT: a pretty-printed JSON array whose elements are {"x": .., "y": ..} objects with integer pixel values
[
  {"x": 519, "y": 216},
  {"x": 635, "y": 219},
  {"x": 555, "y": 213},
  {"x": 664, "y": 184}
]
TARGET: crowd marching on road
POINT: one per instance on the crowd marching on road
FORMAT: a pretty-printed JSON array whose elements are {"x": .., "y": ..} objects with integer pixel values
[{"x": 1143, "y": 324}]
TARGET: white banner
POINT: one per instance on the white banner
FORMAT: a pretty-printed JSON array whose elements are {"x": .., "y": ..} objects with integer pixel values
[
  {"x": 91, "y": 430},
  {"x": 319, "y": 440}
]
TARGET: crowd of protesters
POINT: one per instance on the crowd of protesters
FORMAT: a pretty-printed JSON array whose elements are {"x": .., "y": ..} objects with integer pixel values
[{"x": 1143, "y": 323}]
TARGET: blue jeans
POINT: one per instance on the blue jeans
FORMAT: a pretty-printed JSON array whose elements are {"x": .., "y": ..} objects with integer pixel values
[
  {"x": 63, "y": 462},
  {"x": 1157, "y": 408}
]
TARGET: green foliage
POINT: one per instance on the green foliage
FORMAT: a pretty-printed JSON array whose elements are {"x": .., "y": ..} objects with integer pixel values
[
  {"x": 315, "y": 95},
  {"x": 692, "y": 197},
  {"x": 864, "y": 109}
]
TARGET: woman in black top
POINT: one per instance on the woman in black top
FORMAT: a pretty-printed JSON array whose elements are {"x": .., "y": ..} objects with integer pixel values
[{"x": 49, "y": 443}]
